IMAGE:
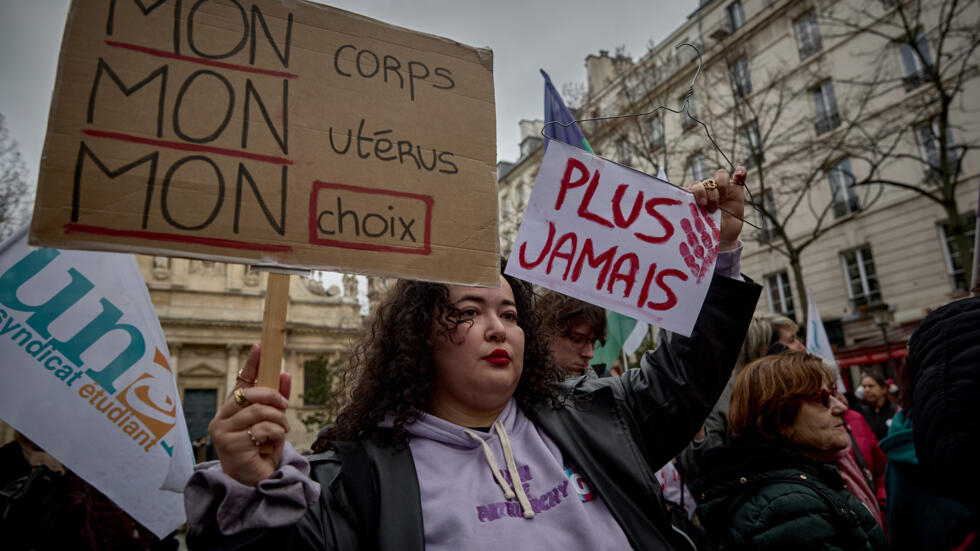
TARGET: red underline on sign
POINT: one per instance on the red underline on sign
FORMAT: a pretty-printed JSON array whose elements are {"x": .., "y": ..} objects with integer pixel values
[
  {"x": 188, "y": 147},
  {"x": 176, "y": 238},
  {"x": 199, "y": 60}
]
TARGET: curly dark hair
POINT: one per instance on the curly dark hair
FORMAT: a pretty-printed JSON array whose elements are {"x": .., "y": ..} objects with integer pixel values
[{"x": 391, "y": 369}]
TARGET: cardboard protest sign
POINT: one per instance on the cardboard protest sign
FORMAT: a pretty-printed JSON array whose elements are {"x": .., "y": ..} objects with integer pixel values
[
  {"x": 617, "y": 238},
  {"x": 271, "y": 132},
  {"x": 86, "y": 376}
]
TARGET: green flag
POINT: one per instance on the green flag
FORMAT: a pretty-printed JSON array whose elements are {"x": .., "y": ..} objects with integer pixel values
[{"x": 622, "y": 333}]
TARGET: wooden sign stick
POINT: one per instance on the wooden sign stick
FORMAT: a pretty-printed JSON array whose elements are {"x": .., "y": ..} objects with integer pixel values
[{"x": 274, "y": 330}]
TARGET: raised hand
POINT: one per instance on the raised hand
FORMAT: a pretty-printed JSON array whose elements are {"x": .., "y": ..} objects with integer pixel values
[
  {"x": 699, "y": 251},
  {"x": 250, "y": 417},
  {"x": 727, "y": 194}
]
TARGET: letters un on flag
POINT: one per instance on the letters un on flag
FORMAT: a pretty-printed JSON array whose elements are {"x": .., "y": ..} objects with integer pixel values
[{"x": 86, "y": 376}]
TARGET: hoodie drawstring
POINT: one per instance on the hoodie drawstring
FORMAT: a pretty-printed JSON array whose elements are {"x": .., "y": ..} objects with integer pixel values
[
  {"x": 493, "y": 464},
  {"x": 511, "y": 468}
]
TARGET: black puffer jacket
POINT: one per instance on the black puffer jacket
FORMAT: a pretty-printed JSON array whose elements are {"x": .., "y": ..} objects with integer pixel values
[
  {"x": 762, "y": 495},
  {"x": 944, "y": 359}
]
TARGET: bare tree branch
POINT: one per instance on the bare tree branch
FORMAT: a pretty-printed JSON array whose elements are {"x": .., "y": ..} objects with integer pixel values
[{"x": 16, "y": 195}]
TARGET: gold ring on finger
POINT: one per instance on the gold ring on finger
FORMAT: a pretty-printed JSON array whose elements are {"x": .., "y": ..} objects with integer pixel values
[
  {"x": 710, "y": 183},
  {"x": 254, "y": 440},
  {"x": 240, "y": 397},
  {"x": 243, "y": 379}
]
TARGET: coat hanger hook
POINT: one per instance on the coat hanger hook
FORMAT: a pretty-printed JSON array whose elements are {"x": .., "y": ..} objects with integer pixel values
[{"x": 697, "y": 73}]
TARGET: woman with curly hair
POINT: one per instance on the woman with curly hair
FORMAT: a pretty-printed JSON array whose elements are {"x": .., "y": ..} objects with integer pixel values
[
  {"x": 397, "y": 377},
  {"x": 462, "y": 434}
]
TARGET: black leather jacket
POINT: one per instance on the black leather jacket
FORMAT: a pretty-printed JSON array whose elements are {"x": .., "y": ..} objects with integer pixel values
[{"x": 617, "y": 431}]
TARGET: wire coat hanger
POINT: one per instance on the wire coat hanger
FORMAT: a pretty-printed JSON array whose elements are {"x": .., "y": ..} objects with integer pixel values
[{"x": 685, "y": 109}]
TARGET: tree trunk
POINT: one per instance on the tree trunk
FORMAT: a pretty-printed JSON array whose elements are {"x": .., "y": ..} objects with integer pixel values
[
  {"x": 957, "y": 230},
  {"x": 796, "y": 265}
]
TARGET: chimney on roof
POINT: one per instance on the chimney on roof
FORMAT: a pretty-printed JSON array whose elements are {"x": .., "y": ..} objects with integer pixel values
[
  {"x": 600, "y": 70},
  {"x": 531, "y": 138}
]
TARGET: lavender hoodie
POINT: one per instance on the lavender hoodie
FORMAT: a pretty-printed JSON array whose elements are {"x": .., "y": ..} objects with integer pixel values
[{"x": 469, "y": 500}]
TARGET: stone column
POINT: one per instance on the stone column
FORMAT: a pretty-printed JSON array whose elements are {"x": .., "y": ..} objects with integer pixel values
[
  {"x": 292, "y": 367},
  {"x": 234, "y": 364},
  {"x": 174, "y": 358}
]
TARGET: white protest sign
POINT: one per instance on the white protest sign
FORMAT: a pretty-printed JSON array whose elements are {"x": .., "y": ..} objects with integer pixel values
[
  {"x": 615, "y": 237},
  {"x": 86, "y": 376}
]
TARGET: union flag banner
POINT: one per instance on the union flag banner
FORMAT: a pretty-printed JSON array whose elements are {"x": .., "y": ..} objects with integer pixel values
[{"x": 86, "y": 376}]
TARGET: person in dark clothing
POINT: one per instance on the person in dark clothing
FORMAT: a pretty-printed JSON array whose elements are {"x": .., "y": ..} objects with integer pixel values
[
  {"x": 776, "y": 486},
  {"x": 876, "y": 407},
  {"x": 410, "y": 463},
  {"x": 934, "y": 441},
  {"x": 768, "y": 333},
  {"x": 944, "y": 363},
  {"x": 44, "y": 506}
]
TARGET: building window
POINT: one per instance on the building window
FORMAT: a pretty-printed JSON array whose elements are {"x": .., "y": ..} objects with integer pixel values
[
  {"x": 623, "y": 151},
  {"x": 752, "y": 145},
  {"x": 954, "y": 264},
  {"x": 691, "y": 114},
  {"x": 916, "y": 67},
  {"x": 315, "y": 384},
  {"x": 741, "y": 83},
  {"x": 656, "y": 133},
  {"x": 808, "y": 35},
  {"x": 522, "y": 188},
  {"x": 861, "y": 277},
  {"x": 767, "y": 231},
  {"x": 736, "y": 16},
  {"x": 835, "y": 332},
  {"x": 698, "y": 170},
  {"x": 780, "y": 295},
  {"x": 825, "y": 107},
  {"x": 844, "y": 196},
  {"x": 928, "y": 135}
]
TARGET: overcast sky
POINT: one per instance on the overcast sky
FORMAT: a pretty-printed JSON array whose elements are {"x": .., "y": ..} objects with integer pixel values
[{"x": 525, "y": 35}]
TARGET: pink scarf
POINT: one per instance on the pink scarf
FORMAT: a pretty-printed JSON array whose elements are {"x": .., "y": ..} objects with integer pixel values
[{"x": 857, "y": 485}]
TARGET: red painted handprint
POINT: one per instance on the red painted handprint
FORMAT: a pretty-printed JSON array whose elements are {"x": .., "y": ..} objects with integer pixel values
[{"x": 701, "y": 247}]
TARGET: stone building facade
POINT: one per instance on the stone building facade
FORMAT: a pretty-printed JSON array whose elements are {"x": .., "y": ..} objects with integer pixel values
[
  {"x": 818, "y": 115},
  {"x": 211, "y": 314}
]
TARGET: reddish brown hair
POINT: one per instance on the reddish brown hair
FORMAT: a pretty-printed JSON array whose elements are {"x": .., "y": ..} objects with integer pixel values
[{"x": 768, "y": 392}]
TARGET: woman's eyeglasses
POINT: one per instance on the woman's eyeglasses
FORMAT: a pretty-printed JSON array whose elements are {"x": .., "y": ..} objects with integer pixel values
[{"x": 822, "y": 396}]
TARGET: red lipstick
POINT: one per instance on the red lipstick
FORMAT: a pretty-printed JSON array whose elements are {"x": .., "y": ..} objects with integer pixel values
[{"x": 498, "y": 357}]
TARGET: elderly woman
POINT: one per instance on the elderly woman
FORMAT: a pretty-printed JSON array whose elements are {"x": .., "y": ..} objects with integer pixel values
[
  {"x": 461, "y": 434},
  {"x": 776, "y": 486}
]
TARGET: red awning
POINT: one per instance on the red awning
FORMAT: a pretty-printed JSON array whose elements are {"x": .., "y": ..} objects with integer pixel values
[
  {"x": 869, "y": 357},
  {"x": 874, "y": 350}
]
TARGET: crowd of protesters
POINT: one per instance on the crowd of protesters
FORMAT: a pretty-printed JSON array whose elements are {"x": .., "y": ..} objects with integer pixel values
[{"x": 475, "y": 420}]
